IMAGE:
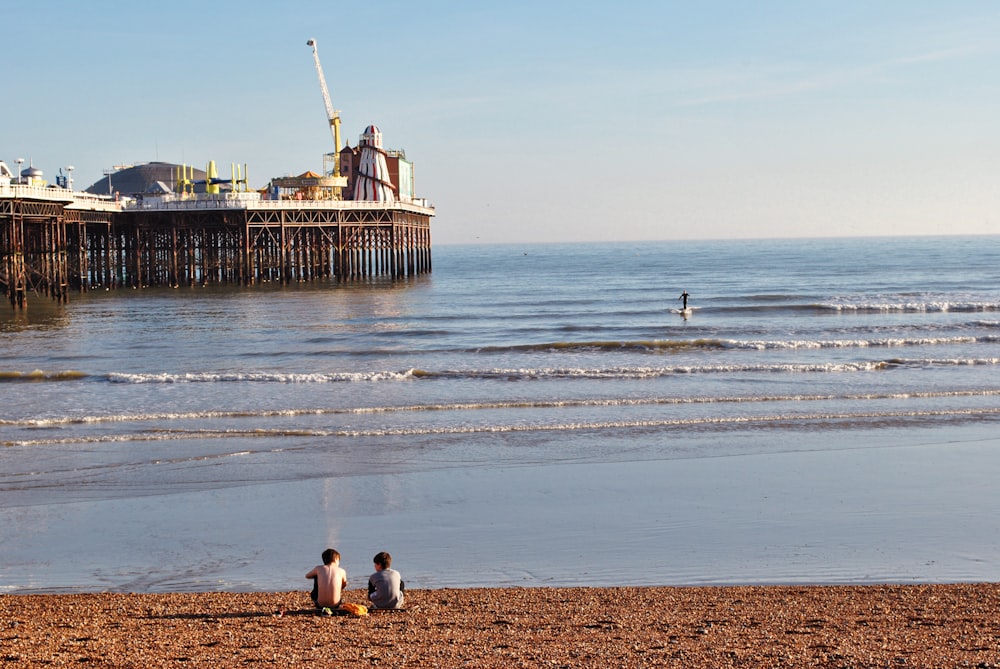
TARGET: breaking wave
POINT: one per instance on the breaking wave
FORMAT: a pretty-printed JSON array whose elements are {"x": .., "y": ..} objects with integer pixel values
[
  {"x": 667, "y": 345},
  {"x": 516, "y": 373},
  {"x": 499, "y": 405},
  {"x": 258, "y": 377},
  {"x": 934, "y": 306},
  {"x": 40, "y": 375},
  {"x": 841, "y": 419}
]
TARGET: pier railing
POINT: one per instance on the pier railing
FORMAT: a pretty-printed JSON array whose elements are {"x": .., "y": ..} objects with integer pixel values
[
  {"x": 20, "y": 191},
  {"x": 71, "y": 199},
  {"x": 232, "y": 201},
  {"x": 78, "y": 200}
]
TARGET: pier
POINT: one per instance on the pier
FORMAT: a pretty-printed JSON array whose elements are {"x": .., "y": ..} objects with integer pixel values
[{"x": 54, "y": 241}]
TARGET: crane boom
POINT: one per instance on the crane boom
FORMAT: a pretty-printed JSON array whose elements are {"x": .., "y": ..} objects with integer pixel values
[{"x": 332, "y": 114}]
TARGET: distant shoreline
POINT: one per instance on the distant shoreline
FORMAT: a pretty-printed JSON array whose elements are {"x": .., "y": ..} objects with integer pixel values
[{"x": 933, "y": 625}]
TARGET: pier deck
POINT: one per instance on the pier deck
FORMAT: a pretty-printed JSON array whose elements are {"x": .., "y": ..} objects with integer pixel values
[{"x": 53, "y": 242}]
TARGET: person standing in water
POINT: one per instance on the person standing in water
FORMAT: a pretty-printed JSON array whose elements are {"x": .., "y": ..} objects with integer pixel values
[{"x": 684, "y": 296}]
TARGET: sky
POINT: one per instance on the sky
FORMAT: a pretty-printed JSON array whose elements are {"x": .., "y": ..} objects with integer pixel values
[{"x": 543, "y": 120}]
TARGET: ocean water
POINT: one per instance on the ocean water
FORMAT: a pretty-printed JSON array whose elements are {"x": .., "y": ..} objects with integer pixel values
[{"x": 526, "y": 415}]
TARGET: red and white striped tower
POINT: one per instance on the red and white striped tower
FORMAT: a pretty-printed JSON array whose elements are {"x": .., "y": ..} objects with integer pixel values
[{"x": 373, "y": 181}]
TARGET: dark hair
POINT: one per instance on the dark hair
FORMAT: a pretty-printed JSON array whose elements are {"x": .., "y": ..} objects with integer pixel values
[
  {"x": 329, "y": 555},
  {"x": 383, "y": 560}
]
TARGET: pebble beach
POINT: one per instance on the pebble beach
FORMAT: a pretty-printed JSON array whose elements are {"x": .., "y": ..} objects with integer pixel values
[{"x": 760, "y": 626}]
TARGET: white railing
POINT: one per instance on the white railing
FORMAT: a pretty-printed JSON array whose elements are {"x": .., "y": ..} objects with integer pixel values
[
  {"x": 343, "y": 205},
  {"x": 36, "y": 193},
  {"x": 223, "y": 202},
  {"x": 79, "y": 200},
  {"x": 174, "y": 201},
  {"x": 71, "y": 199},
  {"x": 94, "y": 202}
]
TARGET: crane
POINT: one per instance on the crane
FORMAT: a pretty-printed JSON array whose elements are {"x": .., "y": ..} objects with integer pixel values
[{"x": 332, "y": 114}]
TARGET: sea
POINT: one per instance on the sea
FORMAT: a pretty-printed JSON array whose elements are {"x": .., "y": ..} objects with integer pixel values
[{"x": 525, "y": 415}]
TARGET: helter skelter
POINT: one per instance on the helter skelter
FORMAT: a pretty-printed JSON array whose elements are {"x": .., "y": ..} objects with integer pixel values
[{"x": 373, "y": 182}]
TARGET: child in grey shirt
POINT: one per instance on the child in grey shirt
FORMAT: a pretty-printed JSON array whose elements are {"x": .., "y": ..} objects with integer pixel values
[{"x": 385, "y": 587}]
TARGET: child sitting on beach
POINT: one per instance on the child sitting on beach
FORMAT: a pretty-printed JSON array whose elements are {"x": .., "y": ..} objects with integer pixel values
[
  {"x": 329, "y": 581},
  {"x": 385, "y": 587}
]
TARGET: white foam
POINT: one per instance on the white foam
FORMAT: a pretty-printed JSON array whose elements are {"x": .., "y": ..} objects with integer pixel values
[
  {"x": 931, "y": 306},
  {"x": 258, "y": 377},
  {"x": 800, "y": 418},
  {"x": 480, "y": 406}
]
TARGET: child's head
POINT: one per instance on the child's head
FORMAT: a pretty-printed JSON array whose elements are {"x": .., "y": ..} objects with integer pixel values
[
  {"x": 382, "y": 560},
  {"x": 330, "y": 556}
]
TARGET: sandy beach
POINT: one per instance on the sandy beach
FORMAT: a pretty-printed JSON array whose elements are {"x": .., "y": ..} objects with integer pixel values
[{"x": 772, "y": 626}]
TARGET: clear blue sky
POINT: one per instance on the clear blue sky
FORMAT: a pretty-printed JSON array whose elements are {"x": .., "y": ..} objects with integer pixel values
[{"x": 542, "y": 120}]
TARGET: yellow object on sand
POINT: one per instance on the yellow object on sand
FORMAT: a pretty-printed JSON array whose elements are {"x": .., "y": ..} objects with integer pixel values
[{"x": 357, "y": 610}]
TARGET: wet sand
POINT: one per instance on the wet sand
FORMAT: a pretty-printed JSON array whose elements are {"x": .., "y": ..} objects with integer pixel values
[{"x": 772, "y": 626}]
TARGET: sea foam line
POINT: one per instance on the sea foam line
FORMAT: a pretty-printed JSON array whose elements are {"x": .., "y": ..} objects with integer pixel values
[
  {"x": 480, "y": 406},
  {"x": 518, "y": 374},
  {"x": 940, "y": 306},
  {"x": 515, "y": 374},
  {"x": 257, "y": 377},
  {"x": 661, "y": 345},
  {"x": 639, "y": 372},
  {"x": 883, "y": 342},
  {"x": 173, "y": 435}
]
